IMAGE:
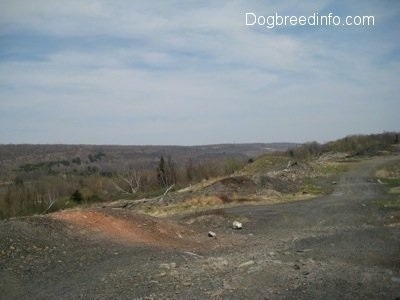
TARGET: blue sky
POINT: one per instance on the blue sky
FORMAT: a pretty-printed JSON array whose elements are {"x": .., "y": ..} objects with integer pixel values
[{"x": 192, "y": 72}]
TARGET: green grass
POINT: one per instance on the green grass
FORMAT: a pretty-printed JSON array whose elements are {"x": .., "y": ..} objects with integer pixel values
[
  {"x": 330, "y": 168},
  {"x": 391, "y": 182},
  {"x": 393, "y": 202},
  {"x": 314, "y": 189}
]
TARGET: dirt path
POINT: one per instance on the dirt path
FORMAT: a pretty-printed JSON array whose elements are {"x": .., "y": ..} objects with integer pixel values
[{"x": 340, "y": 246}]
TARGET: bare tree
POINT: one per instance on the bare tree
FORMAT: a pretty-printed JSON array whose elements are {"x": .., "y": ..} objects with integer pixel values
[
  {"x": 52, "y": 198},
  {"x": 128, "y": 182}
]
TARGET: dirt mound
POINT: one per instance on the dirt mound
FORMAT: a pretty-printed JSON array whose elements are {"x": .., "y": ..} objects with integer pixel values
[
  {"x": 127, "y": 227},
  {"x": 239, "y": 185}
]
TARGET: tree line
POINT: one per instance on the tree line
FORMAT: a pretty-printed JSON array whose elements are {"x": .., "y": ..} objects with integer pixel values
[
  {"x": 353, "y": 145},
  {"x": 49, "y": 186}
]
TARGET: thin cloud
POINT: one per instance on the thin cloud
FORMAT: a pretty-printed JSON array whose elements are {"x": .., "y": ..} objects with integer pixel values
[{"x": 192, "y": 73}]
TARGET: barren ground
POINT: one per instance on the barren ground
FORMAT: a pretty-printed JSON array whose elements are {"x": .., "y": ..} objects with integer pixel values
[{"x": 345, "y": 245}]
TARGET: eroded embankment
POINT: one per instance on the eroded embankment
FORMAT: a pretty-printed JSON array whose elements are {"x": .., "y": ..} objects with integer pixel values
[{"x": 130, "y": 228}]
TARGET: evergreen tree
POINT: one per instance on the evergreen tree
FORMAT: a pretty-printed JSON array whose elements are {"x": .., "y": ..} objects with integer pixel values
[
  {"x": 77, "y": 196},
  {"x": 161, "y": 176}
]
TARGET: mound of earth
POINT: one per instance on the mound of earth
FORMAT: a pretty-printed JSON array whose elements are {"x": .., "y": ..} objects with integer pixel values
[
  {"x": 124, "y": 226},
  {"x": 232, "y": 187}
]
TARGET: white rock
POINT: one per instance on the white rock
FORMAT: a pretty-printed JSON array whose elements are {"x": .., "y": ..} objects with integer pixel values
[
  {"x": 212, "y": 234},
  {"x": 247, "y": 263},
  {"x": 237, "y": 225}
]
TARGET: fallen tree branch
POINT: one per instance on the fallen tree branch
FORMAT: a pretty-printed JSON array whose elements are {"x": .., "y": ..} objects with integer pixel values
[
  {"x": 51, "y": 204},
  {"x": 166, "y": 192}
]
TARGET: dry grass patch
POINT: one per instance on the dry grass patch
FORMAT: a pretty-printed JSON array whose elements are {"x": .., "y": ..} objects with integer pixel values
[
  {"x": 391, "y": 171},
  {"x": 204, "y": 201},
  {"x": 190, "y": 205}
]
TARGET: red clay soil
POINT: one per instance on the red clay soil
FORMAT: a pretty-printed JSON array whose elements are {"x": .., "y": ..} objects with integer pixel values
[{"x": 129, "y": 228}]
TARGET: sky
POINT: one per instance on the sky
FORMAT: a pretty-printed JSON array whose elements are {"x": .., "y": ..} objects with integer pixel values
[{"x": 192, "y": 72}]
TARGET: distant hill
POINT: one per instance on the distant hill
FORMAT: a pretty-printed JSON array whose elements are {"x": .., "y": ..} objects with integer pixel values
[
  {"x": 14, "y": 156},
  {"x": 27, "y": 152}
]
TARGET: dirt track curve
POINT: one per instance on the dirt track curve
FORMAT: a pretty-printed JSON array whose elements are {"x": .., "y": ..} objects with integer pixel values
[{"x": 344, "y": 245}]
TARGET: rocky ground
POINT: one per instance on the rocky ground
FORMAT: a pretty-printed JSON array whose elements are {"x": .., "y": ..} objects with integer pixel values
[{"x": 344, "y": 245}]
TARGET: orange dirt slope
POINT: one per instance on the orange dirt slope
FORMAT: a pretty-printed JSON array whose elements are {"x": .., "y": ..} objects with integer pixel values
[{"x": 130, "y": 228}]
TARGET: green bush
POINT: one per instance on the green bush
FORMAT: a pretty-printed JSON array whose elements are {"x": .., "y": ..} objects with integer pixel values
[{"x": 77, "y": 196}]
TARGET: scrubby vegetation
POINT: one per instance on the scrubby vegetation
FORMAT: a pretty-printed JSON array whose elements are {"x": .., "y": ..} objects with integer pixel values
[
  {"x": 39, "y": 179},
  {"x": 36, "y": 187},
  {"x": 353, "y": 145}
]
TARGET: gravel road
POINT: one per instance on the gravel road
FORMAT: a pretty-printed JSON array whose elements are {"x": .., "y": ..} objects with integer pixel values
[{"x": 345, "y": 245}]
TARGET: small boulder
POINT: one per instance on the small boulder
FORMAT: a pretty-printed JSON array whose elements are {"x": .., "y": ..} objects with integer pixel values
[
  {"x": 212, "y": 234},
  {"x": 237, "y": 225}
]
